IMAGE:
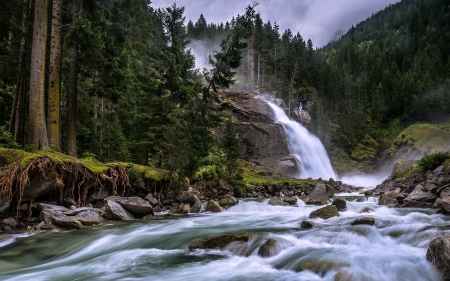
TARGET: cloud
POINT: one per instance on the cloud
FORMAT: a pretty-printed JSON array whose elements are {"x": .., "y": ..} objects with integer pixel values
[{"x": 318, "y": 20}]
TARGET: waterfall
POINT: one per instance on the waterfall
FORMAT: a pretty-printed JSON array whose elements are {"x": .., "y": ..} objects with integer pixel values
[{"x": 306, "y": 147}]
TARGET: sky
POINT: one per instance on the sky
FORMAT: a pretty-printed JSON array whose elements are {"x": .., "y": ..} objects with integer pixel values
[{"x": 317, "y": 20}]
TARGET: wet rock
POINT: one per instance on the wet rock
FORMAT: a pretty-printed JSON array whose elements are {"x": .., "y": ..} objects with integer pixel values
[
  {"x": 420, "y": 194},
  {"x": 438, "y": 253},
  {"x": 269, "y": 248},
  {"x": 390, "y": 198},
  {"x": 320, "y": 194},
  {"x": 89, "y": 217},
  {"x": 292, "y": 201},
  {"x": 340, "y": 204},
  {"x": 186, "y": 197},
  {"x": 66, "y": 221},
  {"x": 185, "y": 208},
  {"x": 46, "y": 216},
  {"x": 196, "y": 208},
  {"x": 325, "y": 212},
  {"x": 228, "y": 201},
  {"x": 152, "y": 200},
  {"x": 135, "y": 205},
  {"x": 443, "y": 205},
  {"x": 322, "y": 266},
  {"x": 366, "y": 221},
  {"x": 366, "y": 210},
  {"x": 213, "y": 206},
  {"x": 307, "y": 224},
  {"x": 76, "y": 211},
  {"x": 218, "y": 242},
  {"x": 9, "y": 222},
  {"x": 98, "y": 195},
  {"x": 276, "y": 201},
  {"x": 114, "y": 211},
  {"x": 417, "y": 204},
  {"x": 148, "y": 217},
  {"x": 54, "y": 209}
]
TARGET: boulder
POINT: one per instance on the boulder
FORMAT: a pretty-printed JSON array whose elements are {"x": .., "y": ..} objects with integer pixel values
[
  {"x": 10, "y": 222},
  {"x": 445, "y": 192},
  {"x": 152, "y": 200},
  {"x": 292, "y": 201},
  {"x": 185, "y": 208},
  {"x": 98, "y": 195},
  {"x": 390, "y": 198},
  {"x": 114, "y": 211},
  {"x": 68, "y": 202},
  {"x": 186, "y": 197},
  {"x": 228, "y": 201},
  {"x": 438, "y": 253},
  {"x": 386, "y": 186},
  {"x": 76, "y": 211},
  {"x": 276, "y": 201},
  {"x": 269, "y": 248},
  {"x": 66, "y": 221},
  {"x": 196, "y": 208},
  {"x": 366, "y": 210},
  {"x": 213, "y": 206},
  {"x": 365, "y": 220},
  {"x": 135, "y": 205},
  {"x": 55, "y": 209},
  {"x": 443, "y": 205},
  {"x": 320, "y": 194},
  {"x": 307, "y": 224},
  {"x": 421, "y": 194},
  {"x": 340, "y": 204},
  {"x": 148, "y": 217},
  {"x": 46, "y": 216},
  {"x": 325, "y": 212},
  {"x": 89, "y": 217},
  {"x": 38, "y": 186},
  {"x": 218, "y": 242}
]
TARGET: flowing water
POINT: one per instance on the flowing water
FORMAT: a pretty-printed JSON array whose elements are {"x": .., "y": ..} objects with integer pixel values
[
  {"x": 306, "y": 147},
  {"x": 393, "y": 249}
]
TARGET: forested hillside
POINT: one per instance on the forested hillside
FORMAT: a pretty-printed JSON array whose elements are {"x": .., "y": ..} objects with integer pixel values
[{"x": 116, "y": 79}]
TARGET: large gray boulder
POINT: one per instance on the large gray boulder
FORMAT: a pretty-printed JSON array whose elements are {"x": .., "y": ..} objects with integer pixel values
[
  {"x": 365, "y": 220},
  {"x": 187, "y": 197},
  {"x": 218, "y": 242},
  {"x": 213, "y": 206},
  {"x": 269, "y": 248},
  {"x": 443, "y": 205},
  {"x": 292, "y": 201},
  {"x": 196, "y": 208},
  {"x": 98, "y": 195},
  {"x": 438, "y": 253},
  {"x": 228, "y": 201},
  {"x": 152, "y": 200},
  {"x": 390, "y": 198},
  {"x": 276, "y": 201},
  {"x": 114, "y": 211},
  {"x": 421, "y": 194},
  {"x": 135, "y": 205},
  {"x": 325, "y": 212},
  {"x": 89, "y": 217},
  {"x": 66, "y": 221},
  {"x": 320, "y": 194},
  {"x": 340, "y": 204},
  {"x": 11, "y": 222}
]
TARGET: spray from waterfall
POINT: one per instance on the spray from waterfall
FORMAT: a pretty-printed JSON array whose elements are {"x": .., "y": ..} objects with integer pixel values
[{"x": 306, "y": 147}]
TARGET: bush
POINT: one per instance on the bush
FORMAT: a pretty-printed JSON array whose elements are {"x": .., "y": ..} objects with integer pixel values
[
  {"x": 6, "y": 139},
  {"x": 433, "y": 160},
  {"x": 135, "y": 177}
]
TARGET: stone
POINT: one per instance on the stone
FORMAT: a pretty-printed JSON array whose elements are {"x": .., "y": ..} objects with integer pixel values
[
  {"x": 386, "y": 186},
  {"x": 366, "y": 210},
  {"x": 98, "y": 195},
  {"x": 276, "y": 201},
  {"x": 76, "y": 211},
  {"x": 38, "y": 187},
  {"x": 89, "y": 217},
  {"x": 68, "y": 202},
  {"x": 152, "y": 200},
  {"x": 186, "y": 208},
  {"x": 340, "y": 204},
  {"x": 390, "y": 198},
  {"x": 218, "y": 242},
  {"x": 438, "y": 253},
  {"x": 421, "y": 195},
  {"x": 443, "y": 205},
  {"x": 186, "y": 197},
  {"x": 148, "y": 217},
  {"x": 114, "y": 211},
  {"x": 66, "y": 221},
  {"x": 10, "y": 222},
  {"x": 292, "y": 201},
  {"x": 46, "y": 226},
  {"x": 320, "y": 194},
  {"x": 417, "y": 204},
  {"x": 213, "y": 206},
  {"x": 228, "y": 201},
  {"x": 46, "y": 216},
  {"x": 269, "y": 248},
  {"x": 7, "y": 228},
  {"x": 325, "y": 212},
  {"x": 55, "y": 209},
  {"x": 445, "y": 192},
  {"x": 365, "y": 220},
  {"x": 135, "y": 205},
  {"x": 196, "y": 208},
  {"x": 307, "y": 224}
]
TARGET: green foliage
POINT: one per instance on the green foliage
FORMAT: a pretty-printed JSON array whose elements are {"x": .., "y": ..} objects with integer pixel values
[
  {"x": 135, "y": 177},
  {"x": 6, "y": 139},
  {"x": 230, "y": 145},
  {"x": 433, "y": 160}
]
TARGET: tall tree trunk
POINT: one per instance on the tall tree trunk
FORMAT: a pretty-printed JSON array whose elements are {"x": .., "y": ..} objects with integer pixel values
[
  {"x": 73, "y": 92},
  {"x": 37, "y": 126},
  {"x": 54, "y": 86},
  {"x": 16, "y": 120}
]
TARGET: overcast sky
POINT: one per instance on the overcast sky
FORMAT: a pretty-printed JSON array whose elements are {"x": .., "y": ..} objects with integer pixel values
[{"x": 318, "y": 20}]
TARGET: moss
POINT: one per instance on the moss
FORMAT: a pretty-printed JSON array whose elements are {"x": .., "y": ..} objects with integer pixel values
[
  {"x": 10, "y": 156},
  {"x": 366, "y": 149}
]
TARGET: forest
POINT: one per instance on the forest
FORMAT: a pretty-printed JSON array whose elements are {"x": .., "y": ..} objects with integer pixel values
[{"x": 115, "y": 79}]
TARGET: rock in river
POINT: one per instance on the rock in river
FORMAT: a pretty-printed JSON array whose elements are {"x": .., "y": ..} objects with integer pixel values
[
  {"x": 438, "y": 253},
  {"x": 213, "y": 206},
  {"x": 114, "y": 211},
  {"x": 135, "y": 205},
  {"x": 320, "y": 194},
  {"x": 365, "y": 220},
  {"x": 340, "y": 204},
  {"x": 218, "y": 242},
  {"x": 325, "y": 212},
  {"x": 269, "y": 248}
]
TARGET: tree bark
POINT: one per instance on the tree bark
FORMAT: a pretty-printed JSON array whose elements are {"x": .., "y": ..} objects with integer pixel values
[
  {"x": 72, "y": 99},
  {"x": 37, "y": 126},
  {"x": 54, "y": 86}
]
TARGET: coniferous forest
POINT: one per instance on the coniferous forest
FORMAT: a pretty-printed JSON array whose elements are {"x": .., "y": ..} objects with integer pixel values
[{"x": 116, "y": 80}]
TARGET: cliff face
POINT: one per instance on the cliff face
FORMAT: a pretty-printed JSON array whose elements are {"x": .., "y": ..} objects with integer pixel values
[{"x": 263, "y": 141}]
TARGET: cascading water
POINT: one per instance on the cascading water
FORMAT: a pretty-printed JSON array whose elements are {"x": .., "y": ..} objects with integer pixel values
[{"x": 306, "y": 147}]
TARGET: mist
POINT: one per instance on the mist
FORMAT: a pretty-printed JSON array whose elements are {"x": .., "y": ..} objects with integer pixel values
[{"x": 319, "y": 21}]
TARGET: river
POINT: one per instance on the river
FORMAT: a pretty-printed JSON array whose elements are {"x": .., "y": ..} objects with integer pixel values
[{"x": 393, "y": 249}]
